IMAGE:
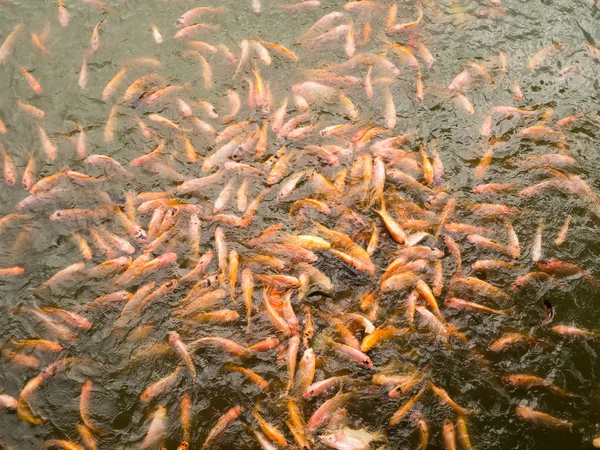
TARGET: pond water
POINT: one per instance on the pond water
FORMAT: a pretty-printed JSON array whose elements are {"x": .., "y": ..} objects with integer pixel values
[{"x": 168, "y": 146}]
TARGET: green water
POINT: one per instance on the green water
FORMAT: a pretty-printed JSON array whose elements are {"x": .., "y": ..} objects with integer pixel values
[{"x": 454, "y": 35}]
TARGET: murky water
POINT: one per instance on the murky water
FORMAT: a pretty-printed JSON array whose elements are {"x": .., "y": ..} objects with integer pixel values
[{"x": 456, "y": 33}]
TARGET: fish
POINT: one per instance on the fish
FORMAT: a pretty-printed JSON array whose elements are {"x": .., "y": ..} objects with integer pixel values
[
  {"x": 463, "y": 103},
  {"x": 226, "y": 344},
  {"x": 462, "y": 433},
  {"x": 10, "y": 170},
  {"x": 562, "y": 234},
  {"x": 95, "y": 38},
  {"x": 180, "y": 347},
  {"x": 511, "y": 339},
  {"x": 527, "y": 381},
  {"x": 280, "y": 50},
  {"x": 565, "y": 269},
  {"x": 306, "y": 370},
  {"x": 322, "y": 24},
  {"x": 459, "y": 82},
  {"x": 296, "y": 424},
  {"x": 390, "y": 111},
  {"x": 380, "y": 335},
  {"x": 193, "y": 29},
  {"x": 323, "y": 414},
  {"x": 83, "y": 74},
  {"x": 157, "y": 430},
  {"x": 47, "y": 145},
  {"x": 113, "y": 84},
  {"x": 8, "y": 402},
  {"x": 401, "y": 413},
  {"x": 87, "y": 437},
  {"x": 319, "y": 387},
  {"x": 458, "y": 303},
  {"x": 541, "y": 419},
  {"x": 538, "y": 58},
  {"x": 269, "y": 430},
  {"x": 351, "y": 439},
  {"x": 397, "y": 28},
  {"x": 24, "y": 410},
  {"x": 251, "y": 375},
  {"x": 7, "y": 46},
  {"x": 157, "y": 118},
  {"x": 31, "y": 110},
  {"x": 63, "y": 15},
  {"x": 193, "y": 14},
  {"x": 222, "y": 424},
  {"x": 449, "y": 435},
  {"x": 156, "y": 35},
  {"x": 540, "y": 133},
  {"x": 445, "y": 398},
  {"x": 475, "y": 286},
  {"x": 84, "y": 406},
  {"x": 567, "y": 330},
  {"x": 302, "y": 6},
  {"x": 393, "y": 227},
  {"x": 31, "y": 80},
  {"x": 423, "y": 429}
]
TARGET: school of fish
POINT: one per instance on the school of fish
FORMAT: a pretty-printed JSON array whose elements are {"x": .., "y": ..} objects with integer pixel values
[{"x": 283, "y": 240}]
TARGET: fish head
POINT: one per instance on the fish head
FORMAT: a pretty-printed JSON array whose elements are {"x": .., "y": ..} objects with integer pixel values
[
  {"x": 330, "y": 440},
  {"x": 174, "y": 337}
]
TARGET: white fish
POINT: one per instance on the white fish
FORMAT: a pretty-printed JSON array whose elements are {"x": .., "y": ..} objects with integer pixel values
[
  {"x": 262, "y": 52},
  {"x": 242, "y": 196},
  {"x": 224, "y": 196},
  {"x": 463, "y": 103},
  {"x": 369, "y": 83},
  {"x": 390, "y": 110},
  {"x": 536, "y": 251},
  {"x": 156, "y": 35},
  {"x": 83, "y": 76},
  {"x": 349, "y": 46},
  {"x": 349, "y": 439},
  {"x": 486, "y": 127},
  {"x": 63, "y": 15},
  {"x": 562, "y": 234},
  {"x": 47, "y": 145},
  {"x": 6, "y": 48},
  {"x": 157, "y": 431}
]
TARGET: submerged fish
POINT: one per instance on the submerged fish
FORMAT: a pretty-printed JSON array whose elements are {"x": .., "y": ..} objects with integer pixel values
[{"x": 350, "y": 439}]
